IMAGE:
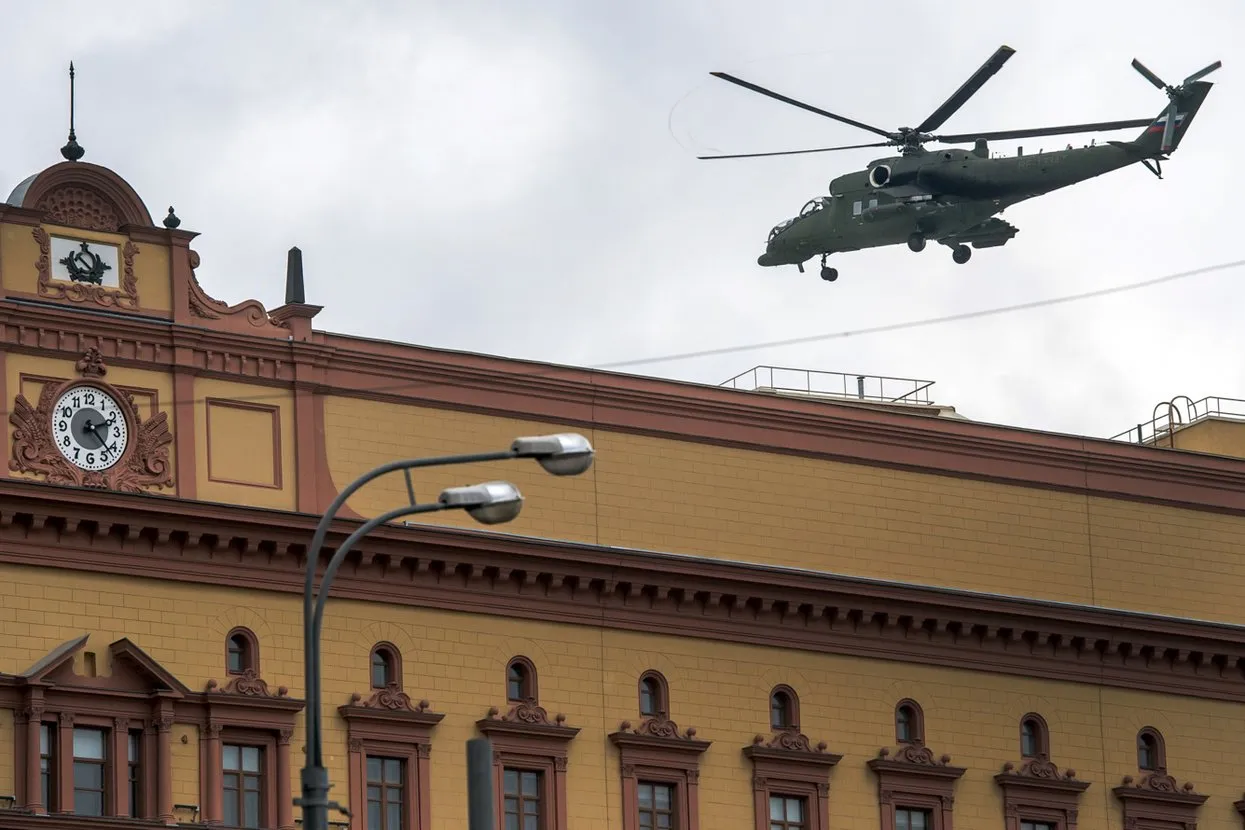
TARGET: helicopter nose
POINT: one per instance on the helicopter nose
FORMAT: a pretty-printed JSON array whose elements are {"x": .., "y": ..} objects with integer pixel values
[{"x": 767, "y": 259}]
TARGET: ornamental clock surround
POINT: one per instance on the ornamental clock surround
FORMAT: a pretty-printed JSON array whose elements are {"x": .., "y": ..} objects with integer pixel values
[{"x": 90, "y": 427}]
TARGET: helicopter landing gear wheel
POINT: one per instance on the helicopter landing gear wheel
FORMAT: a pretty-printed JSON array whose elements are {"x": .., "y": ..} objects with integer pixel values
[
  {"x": 916, "y": 243},
  {"x": 827, "y": 273},
  {"x": 961, "y": 254}
]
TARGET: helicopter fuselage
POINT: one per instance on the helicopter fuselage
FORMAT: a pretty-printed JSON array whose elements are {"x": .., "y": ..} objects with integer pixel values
[{"x": 939, "y": 196}]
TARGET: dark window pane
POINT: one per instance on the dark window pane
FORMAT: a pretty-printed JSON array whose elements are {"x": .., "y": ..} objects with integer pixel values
[
  {"x": 88, "y": 803},
  {"x": 252, "y": 809}
]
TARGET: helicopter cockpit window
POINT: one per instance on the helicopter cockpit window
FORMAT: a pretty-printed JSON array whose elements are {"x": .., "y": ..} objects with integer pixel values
[
  {"x": 780, "y": 227},
  {"x": 814, "y": 205}
]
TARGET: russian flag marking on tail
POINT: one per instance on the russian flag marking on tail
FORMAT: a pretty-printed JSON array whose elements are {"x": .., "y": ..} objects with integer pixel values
[{"x": 1158, "y": 125}]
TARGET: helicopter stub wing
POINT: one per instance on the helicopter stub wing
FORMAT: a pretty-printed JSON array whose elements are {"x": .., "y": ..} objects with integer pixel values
[{"x": 989, "y": 234}]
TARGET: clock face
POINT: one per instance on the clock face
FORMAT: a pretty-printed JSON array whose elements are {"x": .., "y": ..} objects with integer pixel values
[{"x": 89, "y": 428}]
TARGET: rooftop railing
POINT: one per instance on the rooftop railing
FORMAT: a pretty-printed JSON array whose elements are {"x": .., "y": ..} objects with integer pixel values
[
  {"x": 1179, "y": 412},
  {"x": 840, "y": 385}
]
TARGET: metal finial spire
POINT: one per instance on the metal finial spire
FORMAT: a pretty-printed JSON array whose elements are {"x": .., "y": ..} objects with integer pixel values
[{"x": 72, "y": 151}]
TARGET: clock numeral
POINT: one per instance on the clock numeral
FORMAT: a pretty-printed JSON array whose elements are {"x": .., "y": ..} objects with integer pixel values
[
  {"x": 112, "y": 418},
  {"x": 76, "y": 452},
  {"x": 90, "y": 458},
  {"x": 90, "y": 399},
  {"x": 66, "y": 441},
  {"x": 77, "y": 401},
  {"x": 62, "y": 426},
  {"x": 112, "y": 448},
  {"x": 66, "y": 412}
]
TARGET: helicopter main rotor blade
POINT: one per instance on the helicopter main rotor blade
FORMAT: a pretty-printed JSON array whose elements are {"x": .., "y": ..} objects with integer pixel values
[
  {"x": 776, "y": 96},
  {"x": 795, "y": 152},
  {"x": 1101, "y": 126},
  {"x": 967, "y": 90}
]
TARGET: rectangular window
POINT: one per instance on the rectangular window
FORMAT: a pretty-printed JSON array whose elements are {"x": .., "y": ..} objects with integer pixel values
[
  {"x": 786, "y": 812},
  {"x": 90, "y": 759},
  {"x": 242, "y": 781},
  {"x": 384, "y": 793},
  {"x": 135, "y": 765},
  {"x": 912, "y": 820},
  {"x": 656, "y": 802},
  {"x": 46, "y": 765},
  {"x": 856, "y": 208},
  {"x": 522, "y": 808},
  {"x": 1036, "y": 825}
]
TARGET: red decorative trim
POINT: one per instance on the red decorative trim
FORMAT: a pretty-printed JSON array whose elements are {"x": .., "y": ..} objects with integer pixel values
[
  {"x": 1158, "y": 800},
  {"x": 524, "y": 738},
  {"x": 144, "y": 462},
  {"x": 789, "y": 765},
  {"x": 125, "y": 296},
  {"x": 238, "y": 546},
  {"x": 274, "y": 413},
  {"x": 114, "y": 193},
  {"x": 247, "y": 317},
  {"x": 1038, "y": 791},
  {"x": 388, "y": 725},
  {"x": 914, "y": 780},
  {"x": 656, "y": 752}
]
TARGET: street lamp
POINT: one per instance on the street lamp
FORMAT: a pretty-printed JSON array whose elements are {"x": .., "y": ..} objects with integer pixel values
[{"x": 492, "y": 502}]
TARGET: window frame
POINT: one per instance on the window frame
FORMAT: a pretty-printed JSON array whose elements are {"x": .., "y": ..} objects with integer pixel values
[
  {"x": 526, "y": 738},
  {"x": 657, "y": 752},
  {"x": 388, "y": 724},
  {"x": 250, "y": 652},
  {"x": 393, "y": 659},
  {"x": 791, "y": 710},
  {"x": 1159, "y": 748},
  {"x": 529, "y": 688},
  {"x": 1041, "y": 736},
  {"x": 266, "y": 744},
  {"x": 917, "y": 726},
  {"x": 789, "y": 765},
  {"x": 1039, "y": 791},
  {"x": 661, "y": 694},
  {"x": 914, "y": 778}
]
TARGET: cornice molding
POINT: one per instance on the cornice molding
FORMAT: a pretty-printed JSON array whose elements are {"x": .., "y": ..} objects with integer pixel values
[
  {"x": 477, "y": 572},
  {"x": 354, "y": 367}
]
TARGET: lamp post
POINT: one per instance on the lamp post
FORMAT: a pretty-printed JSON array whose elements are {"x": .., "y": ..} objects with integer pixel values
[{"x": 492, "y": 502}]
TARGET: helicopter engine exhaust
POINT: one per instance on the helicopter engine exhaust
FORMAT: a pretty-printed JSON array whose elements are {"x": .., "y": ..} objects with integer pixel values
[{"x": 882, "y": 176}]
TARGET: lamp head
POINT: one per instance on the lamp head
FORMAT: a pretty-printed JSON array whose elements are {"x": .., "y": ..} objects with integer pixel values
[
  {"x": 490, "y": 503},
  {"x": 563, "y": 454}
]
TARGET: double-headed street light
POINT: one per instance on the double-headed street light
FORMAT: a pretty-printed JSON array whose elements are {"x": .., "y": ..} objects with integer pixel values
[{"x": 493, "y": 502}]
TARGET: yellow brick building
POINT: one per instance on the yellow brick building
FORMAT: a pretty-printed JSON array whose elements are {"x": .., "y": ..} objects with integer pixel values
[{"x": 756, "y": 611}]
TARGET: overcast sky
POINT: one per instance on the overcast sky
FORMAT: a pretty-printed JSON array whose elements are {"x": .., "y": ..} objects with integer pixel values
[{"x": 486, "y": 177}]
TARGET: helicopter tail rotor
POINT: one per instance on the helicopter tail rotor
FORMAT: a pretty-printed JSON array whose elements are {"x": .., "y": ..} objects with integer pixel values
[{"x": 1177, "y": 95}]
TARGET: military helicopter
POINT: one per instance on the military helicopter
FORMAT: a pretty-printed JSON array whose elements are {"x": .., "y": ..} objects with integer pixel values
[{"x": 951, "y": 196}]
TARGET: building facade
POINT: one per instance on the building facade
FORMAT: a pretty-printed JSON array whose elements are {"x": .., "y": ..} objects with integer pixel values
[{"x": 757, "y": 611}]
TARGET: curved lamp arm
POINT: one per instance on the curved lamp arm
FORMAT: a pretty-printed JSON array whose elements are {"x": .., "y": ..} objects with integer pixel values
[{"x": 311, "y": 660}]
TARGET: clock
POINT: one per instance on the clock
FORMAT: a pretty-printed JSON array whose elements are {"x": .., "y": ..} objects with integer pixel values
[{"x": 89, "y": 428}]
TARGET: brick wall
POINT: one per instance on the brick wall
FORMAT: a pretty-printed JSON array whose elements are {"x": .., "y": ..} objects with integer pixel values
[{"x": 456, "y": 661}]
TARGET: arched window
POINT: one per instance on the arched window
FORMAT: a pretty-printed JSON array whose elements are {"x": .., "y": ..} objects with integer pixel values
[
  {"x": 1151, "y": 752},
  {"x": 784, "y": 708},
  {"x": 241, "y": 652},
  {"x": 654, "y": 699},
  {"x": 1034, "y": 736},
  {"x": 909, "y": 722},
  {"x": 386, "y": 666},
  {"x": 520, "y": 680}
]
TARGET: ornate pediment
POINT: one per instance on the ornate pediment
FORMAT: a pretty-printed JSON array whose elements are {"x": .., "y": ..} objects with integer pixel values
[
  {"x": 526, "y": 718},
  {"x": 132, "y": 671},
  {"x": 660, "y": 735},
  {"x": 1040, "y": 774},
  {"x": 391, "y": 706},
  {"x": 788, "y": 747}
]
